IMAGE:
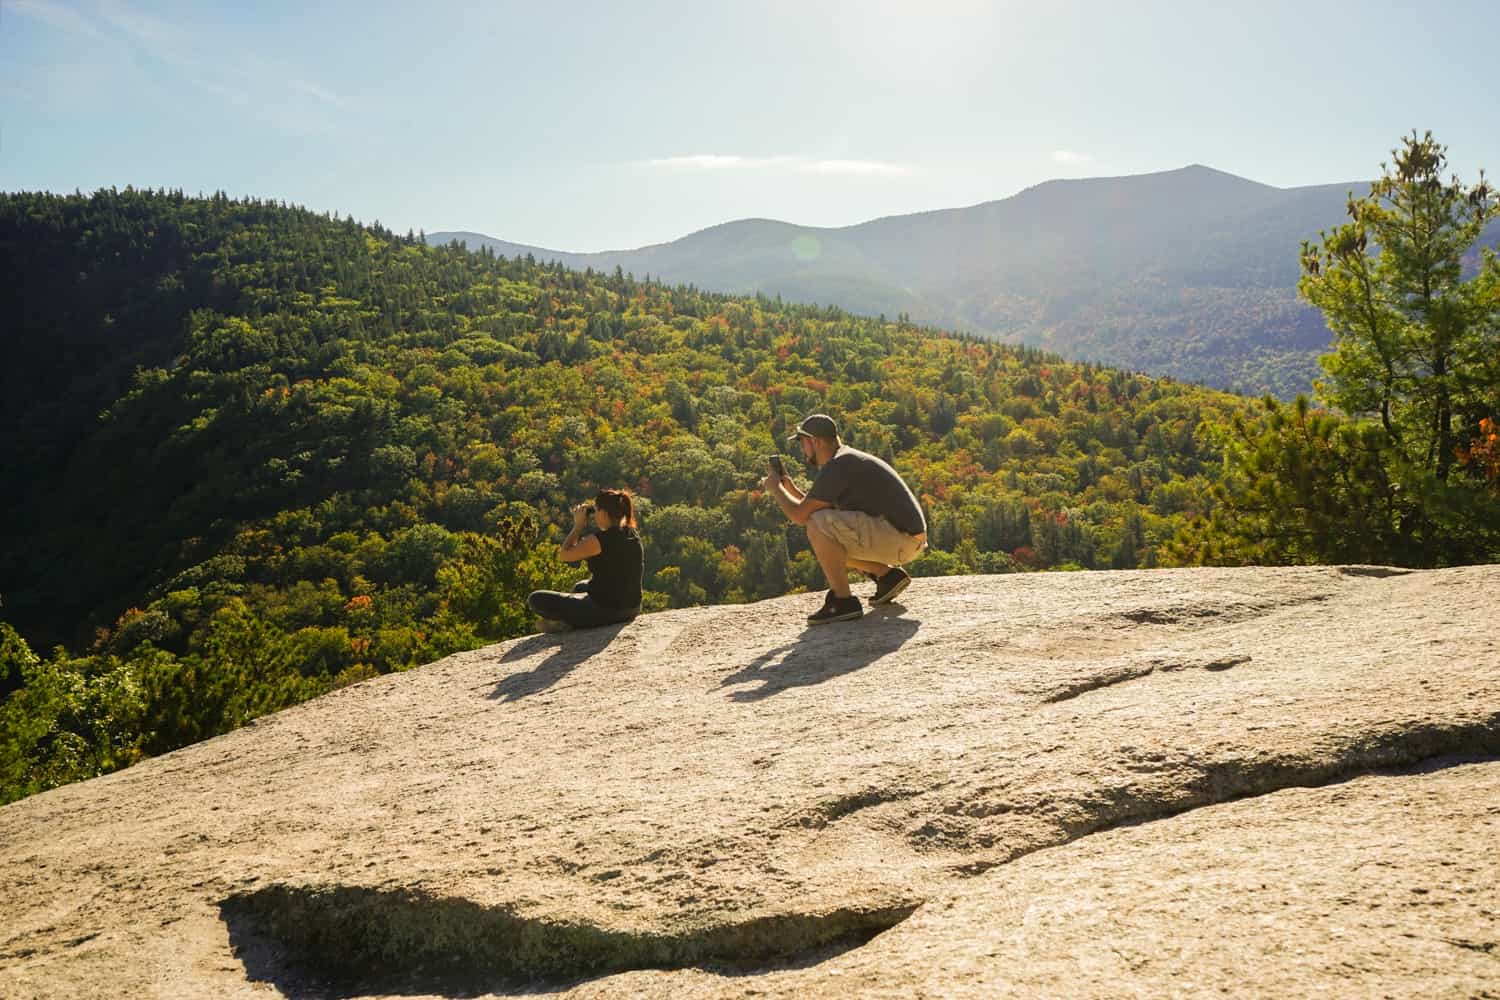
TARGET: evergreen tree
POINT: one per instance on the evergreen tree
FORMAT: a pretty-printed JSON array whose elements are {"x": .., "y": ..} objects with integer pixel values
[
  {"x": 1417, "y": 343},
  {"x": 1307, "y": 487},
  {"x": 1416, "y": 369}
]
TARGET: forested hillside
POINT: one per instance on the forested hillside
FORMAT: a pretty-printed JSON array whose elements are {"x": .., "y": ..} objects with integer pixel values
[
  {"x": 254, "y": 453},
  {"x": 1190, "y": 273}
]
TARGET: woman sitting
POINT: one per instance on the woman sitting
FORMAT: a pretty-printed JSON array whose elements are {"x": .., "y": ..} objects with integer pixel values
[{"x": 616, "y": 560}]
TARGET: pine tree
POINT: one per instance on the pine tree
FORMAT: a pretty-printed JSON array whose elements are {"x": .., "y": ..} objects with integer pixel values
[
  {"x": 1306, "y": 487},
  {"x": 1416, "y": 342}
]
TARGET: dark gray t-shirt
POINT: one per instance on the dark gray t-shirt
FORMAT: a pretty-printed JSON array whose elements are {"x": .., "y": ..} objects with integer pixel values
[{"x": 856, "y": 480}]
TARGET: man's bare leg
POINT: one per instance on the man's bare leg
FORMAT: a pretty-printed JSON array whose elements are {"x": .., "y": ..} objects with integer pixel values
[{"x": 831, "y": 558}]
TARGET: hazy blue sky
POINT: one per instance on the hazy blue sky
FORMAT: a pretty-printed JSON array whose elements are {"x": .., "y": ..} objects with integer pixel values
[{"x": 612, "y": 125}]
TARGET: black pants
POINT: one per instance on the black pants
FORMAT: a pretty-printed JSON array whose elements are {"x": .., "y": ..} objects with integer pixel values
[{"x": 577, "y": 609}]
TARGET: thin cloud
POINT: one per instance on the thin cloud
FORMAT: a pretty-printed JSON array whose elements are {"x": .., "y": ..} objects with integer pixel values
[
  {"x": 64, "y": 18},
  {"x": 1069, "y": 157},
  {"x": 161, "y": 37},
  {"x": 326, "y": 96},
  {"x": 785, "y": 164},
  {"x": 246, "y": 81}
]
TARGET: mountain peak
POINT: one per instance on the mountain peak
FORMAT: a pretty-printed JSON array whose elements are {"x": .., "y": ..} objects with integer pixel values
[
  {"x": 1194, "y": 176},
  {"x": 1205, "y": 171}
]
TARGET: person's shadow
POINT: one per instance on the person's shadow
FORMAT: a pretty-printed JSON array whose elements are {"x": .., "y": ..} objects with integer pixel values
[
  {"x": 823, "y": 652},
  {"x": 570, "y": 649}
]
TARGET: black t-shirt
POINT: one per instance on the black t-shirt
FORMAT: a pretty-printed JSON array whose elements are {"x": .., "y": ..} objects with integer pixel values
[
  {"x": 857, "y": 480},
  {"x": 618, "y": 569}
]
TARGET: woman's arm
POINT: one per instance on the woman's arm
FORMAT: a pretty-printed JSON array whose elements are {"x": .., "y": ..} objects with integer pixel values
[{"x": 573, "y": 549}]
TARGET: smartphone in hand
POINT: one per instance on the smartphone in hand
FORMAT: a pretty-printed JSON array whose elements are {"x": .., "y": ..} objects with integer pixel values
[{"x": 777, "y": 466}]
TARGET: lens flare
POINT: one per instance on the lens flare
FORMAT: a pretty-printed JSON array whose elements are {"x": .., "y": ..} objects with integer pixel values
[{"x": 806, "y": 248}]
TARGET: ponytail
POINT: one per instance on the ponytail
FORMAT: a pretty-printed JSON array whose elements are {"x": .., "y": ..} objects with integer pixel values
[{"x": 617, "y": 504}]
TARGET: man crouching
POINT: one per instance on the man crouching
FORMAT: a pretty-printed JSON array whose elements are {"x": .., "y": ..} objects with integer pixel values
[{"x": 859, "y": 515}]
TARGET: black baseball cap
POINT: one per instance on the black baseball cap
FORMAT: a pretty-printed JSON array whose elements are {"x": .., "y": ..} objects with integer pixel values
[{"x": 818, "y": 425}]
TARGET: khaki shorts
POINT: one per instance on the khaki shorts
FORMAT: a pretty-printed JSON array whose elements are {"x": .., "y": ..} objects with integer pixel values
[{"x": 864, "y": 536}]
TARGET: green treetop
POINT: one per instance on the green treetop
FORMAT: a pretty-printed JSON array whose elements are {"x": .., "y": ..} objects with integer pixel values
[{"x": 1417, "y": 342}]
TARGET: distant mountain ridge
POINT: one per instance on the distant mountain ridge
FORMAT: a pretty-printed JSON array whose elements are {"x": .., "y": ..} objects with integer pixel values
[{"x": 1190, "y": 273}]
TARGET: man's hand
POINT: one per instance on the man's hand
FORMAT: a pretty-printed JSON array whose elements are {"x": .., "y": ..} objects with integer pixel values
[
  {"x": 771, "y": 481},
  {"x": 580, "y": 517}
]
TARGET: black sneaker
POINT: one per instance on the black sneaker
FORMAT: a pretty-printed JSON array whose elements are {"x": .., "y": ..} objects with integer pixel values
[
  {"x": 837, "y": 609},
  {"x": 888, "y": 586}
]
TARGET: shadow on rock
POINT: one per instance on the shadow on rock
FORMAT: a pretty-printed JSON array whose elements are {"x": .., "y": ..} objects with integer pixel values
[
  {"x": 823, "y": 652},
  {"x": 329, "y": 942},
  {"x": 569, "y": 649}
]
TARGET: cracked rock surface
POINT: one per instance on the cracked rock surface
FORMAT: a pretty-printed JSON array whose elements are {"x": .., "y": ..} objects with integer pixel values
[{"x": 1250, "y": 781}]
